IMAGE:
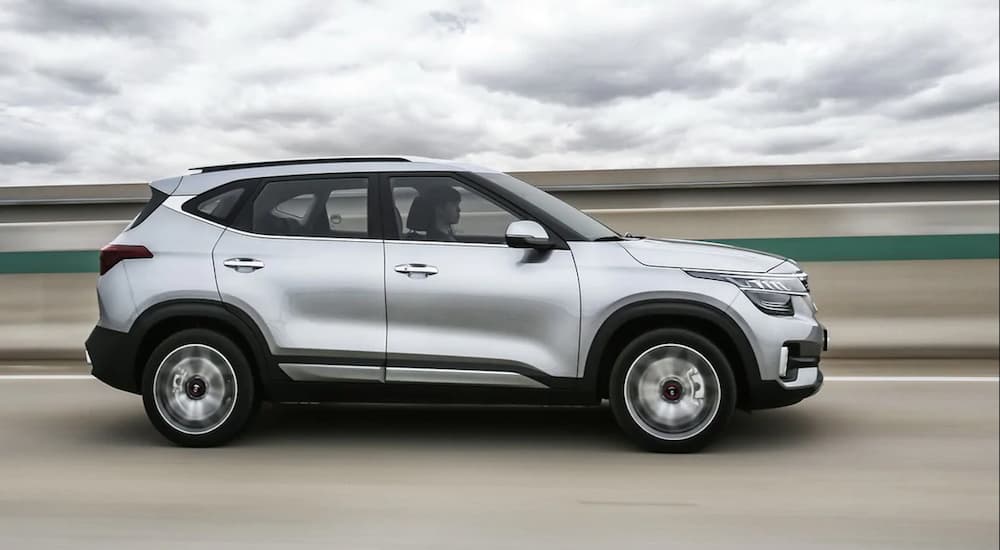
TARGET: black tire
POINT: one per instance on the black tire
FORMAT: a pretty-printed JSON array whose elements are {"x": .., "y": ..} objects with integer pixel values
[
  {"x": 707, "y": 425},
  {"x": 235, "y": 412}
]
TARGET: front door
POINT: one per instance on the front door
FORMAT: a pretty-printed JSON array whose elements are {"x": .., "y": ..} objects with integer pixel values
[
  {"x": 463, "y": 307},
  {"x": 310, "y": 273}
]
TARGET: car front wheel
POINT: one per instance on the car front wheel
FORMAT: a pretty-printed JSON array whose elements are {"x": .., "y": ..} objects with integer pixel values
[{"x": 672, "y": 390}]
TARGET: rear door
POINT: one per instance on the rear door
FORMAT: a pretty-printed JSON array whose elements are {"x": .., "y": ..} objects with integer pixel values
[{"x": 306, "y": 263}]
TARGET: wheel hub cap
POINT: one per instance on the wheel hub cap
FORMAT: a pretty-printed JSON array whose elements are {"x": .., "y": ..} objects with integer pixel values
[
  {"x": 194, "y": 389},
  {"x": 672, "y": 391}
]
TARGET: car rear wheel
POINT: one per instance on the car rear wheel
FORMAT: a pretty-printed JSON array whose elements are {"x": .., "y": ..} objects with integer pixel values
[
  {"x": 672, "y": 390},
  {"x": 198, "y": 389}
]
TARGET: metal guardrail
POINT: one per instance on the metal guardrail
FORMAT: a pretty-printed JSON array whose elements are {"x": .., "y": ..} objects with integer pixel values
[
  {"x": 623, "y": 186},
  {"x": 613, "y": 180},
  {"x": 688, "y": 222}
]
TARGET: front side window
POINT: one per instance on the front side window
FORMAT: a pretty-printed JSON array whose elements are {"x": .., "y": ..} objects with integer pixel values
[
  {"x": 315, "y": 207},
  {"x": 586, "y": 227},
  {"x": 443, "y": 209}
]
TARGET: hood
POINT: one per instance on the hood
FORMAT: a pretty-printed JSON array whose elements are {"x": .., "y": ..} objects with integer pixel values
[{"x": 700, "y": 255}]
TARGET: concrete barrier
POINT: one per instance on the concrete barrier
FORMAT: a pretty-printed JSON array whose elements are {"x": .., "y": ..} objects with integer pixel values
[
  {"x": 928, "y": 308},
  {"x": 873, "y": 309}
]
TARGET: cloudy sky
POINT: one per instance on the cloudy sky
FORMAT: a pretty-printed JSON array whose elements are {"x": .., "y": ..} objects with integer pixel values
[{"x": 100, "y": 91}]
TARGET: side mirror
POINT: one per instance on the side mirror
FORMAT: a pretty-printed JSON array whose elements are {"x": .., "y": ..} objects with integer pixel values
[{"x": 528, "y": 234}]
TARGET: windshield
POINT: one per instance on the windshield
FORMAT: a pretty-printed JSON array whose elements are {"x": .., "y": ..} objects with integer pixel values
[{"x": 589, "y": 228}]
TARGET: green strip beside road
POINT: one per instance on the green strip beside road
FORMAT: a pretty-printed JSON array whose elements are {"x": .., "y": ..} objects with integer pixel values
[
  {"x": 879, "y": 248},
  {"x": 49, "y": 261}
]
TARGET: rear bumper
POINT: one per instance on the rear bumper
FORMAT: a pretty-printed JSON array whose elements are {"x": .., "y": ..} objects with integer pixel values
[{"x": 112, "y": 358}]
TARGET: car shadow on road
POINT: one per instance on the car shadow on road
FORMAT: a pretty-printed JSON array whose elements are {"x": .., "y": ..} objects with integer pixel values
[
  {"x": 415, "y": 427},
  {"x": 581, "y": 428}
]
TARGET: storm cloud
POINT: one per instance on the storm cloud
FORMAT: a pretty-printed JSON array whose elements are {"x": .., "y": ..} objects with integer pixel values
[
  {"x": 30, "y": 149},
  {"x": 88, "y": 17},
  {"x": 87, "y": 81},
  {"x": 114, "y": 90}
]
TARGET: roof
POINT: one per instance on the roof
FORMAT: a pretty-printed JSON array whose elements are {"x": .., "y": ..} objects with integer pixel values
[{"x": 267, "y": 163}]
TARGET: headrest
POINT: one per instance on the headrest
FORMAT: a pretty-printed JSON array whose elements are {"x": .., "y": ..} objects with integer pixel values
[{"x": 421, "y": 214}]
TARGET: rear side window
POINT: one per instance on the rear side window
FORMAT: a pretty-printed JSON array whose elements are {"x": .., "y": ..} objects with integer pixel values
[
  {"x": 315, "y": 207},
  {"x": 341, "y": 211},
  {"x": 156, "y": 198},
  {"x": 297, "y": 208}
]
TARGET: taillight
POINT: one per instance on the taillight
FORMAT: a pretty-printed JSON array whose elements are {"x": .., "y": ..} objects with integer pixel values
[{"x": 114, "y": 253}]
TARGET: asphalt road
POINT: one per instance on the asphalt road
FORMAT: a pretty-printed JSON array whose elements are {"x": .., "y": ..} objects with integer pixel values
[{"x": 865, "y": 464}]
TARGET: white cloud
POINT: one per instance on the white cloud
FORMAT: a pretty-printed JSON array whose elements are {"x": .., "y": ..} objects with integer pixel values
[{"x": 98, "y": 90}]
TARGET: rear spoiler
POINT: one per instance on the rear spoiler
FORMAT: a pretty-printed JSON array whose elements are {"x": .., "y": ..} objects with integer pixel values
[{"x": 167, "y": 185}]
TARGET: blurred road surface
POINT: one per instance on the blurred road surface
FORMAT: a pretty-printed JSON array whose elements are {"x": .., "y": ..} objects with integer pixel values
[{"x": 865, "y": 464}]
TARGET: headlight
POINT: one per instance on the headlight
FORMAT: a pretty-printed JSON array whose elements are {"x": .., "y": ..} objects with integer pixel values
[{"x": 771, "y": 294}]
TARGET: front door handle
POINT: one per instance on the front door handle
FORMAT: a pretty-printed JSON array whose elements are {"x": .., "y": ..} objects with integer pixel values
[
  {"x": 416, "y": 269},
  {"x": 243, "y": 265}
]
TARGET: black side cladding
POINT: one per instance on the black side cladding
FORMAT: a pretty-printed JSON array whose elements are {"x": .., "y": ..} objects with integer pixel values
[{"x": 156, "y": 198}]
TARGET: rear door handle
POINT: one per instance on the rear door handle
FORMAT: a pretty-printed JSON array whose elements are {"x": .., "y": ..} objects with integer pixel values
[
  {"x": 243, "y": 265},
  {"x": 416, "y": 269}
]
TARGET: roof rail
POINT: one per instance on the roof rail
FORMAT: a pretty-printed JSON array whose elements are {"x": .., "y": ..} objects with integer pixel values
[{"x": 237, "y": 166}]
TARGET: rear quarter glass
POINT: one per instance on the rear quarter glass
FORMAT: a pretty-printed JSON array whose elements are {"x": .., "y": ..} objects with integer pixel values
[{"x": 156, "y": 198}]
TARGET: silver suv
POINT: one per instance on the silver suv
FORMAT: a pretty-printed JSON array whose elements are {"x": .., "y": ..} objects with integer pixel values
[{"x": 410, "y": 279}]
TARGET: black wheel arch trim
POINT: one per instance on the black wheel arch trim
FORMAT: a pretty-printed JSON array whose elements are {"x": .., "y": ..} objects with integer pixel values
[
  {"x": 669, "y": 308},
  {"x": 135, "y": 348}
]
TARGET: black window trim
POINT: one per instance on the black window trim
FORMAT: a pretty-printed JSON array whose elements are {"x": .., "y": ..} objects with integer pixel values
[{"x": 477, "y": 184}]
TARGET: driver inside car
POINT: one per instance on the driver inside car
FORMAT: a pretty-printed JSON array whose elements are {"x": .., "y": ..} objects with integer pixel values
[{"x": 444, "y": 204}]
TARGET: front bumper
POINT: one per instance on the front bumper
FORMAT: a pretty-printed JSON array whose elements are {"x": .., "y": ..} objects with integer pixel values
[
  {"x": 799, "y": 374},
  {"x": 770, "y": 394}
]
